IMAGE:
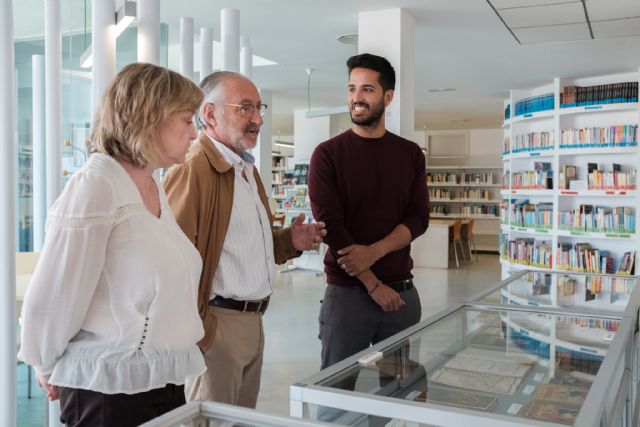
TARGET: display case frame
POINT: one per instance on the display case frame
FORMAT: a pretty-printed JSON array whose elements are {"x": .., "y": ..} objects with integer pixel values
[
  {"x": 205, "y": 414},
  {"x": 612, "y": 398}
]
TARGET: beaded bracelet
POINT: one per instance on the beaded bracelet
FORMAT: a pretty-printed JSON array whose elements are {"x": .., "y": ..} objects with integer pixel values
[{"x": 375, "y": 287}]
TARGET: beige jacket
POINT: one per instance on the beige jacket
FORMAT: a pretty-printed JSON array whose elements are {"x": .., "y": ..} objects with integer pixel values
[{"x": 200, "y": 192}]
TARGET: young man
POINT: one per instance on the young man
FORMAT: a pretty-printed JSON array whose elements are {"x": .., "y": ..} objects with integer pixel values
[
  {"x": 220, "y": 204},
  {"x": 369, "y": 187}
]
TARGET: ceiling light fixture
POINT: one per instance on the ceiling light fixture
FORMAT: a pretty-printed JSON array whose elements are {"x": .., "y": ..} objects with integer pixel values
[
  {"x": 447, "y": 89},
  {"x": 283, "y": 144},
  {"x": 351, "y": 39},
  {"x": 124, "y": 16}
]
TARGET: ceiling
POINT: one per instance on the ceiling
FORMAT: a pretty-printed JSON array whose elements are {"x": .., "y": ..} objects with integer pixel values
[{"x": 461, "y": 44}]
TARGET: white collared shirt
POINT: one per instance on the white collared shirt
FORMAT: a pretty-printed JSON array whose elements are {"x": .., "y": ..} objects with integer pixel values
[{"x": 246, "y": 268}]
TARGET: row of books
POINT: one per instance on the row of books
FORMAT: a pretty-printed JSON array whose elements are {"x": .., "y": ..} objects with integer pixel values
[
  {"x": 535, "y": 104},
  {"x": 534, "y": 141},
  {"x": 616, "y": 180},
  {"x": 460, "y": 178},
  {"x": 608, "y": 288},
  {"x": 612, "y": 136},
  {"x": 469, "y": 210},
  {"x": 581, "y": 257},
  {"x": 530, "y": 180},
  {"x": 278, "y": 162},
  {"x": 526, "y": 251},
  {"x": 462, "y": 195},
  {"x": 599, "y": 219},
  {"x": 589, "y": 322},
  {"x": 577, "y": 96},
  {"x": 535, "y": 215}
]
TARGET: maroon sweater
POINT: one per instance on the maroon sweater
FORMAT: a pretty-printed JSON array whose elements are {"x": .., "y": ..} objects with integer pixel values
[{"x": 362, "y": 188}]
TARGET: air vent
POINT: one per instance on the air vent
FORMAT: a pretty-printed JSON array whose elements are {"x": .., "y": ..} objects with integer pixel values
[{"x": 351, "y": 39}]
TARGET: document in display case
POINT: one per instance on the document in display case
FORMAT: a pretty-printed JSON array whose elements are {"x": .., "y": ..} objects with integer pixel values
[{"x": 496, "y": 361}]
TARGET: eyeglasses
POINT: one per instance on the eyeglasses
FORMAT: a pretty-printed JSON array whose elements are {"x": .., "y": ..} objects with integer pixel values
[{"x": 247, "y": 110}]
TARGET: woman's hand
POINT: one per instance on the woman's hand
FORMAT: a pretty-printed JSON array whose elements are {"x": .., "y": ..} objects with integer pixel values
[{"x": 52, "y": 390}]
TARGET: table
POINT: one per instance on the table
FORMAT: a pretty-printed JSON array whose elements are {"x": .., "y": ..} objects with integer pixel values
[{"x": 431, "y": 250}]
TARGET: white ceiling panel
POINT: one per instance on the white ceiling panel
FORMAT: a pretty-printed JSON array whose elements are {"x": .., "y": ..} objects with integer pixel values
[
  {"x": 556, "y": 33},
  {"x": 600, "y": 10},
  {"x": 506, "y": 4},
  {"x": 616, "y": 28},
  {"x": 538, "y": 16}
]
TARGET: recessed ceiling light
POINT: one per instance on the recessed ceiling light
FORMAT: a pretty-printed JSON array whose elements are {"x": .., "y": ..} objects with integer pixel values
[
  {"x": 448, "y": 89},
  {"x": 348, "y": 39},
  {"x": 458, "y": 120}
]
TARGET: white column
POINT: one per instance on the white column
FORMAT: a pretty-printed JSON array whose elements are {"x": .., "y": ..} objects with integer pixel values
[
  {"x": 53, "y": 99},
  {"x": 246, "y": 58},
  {"x": 7, "y": 220},
  {"x": 39, "y": 156},
  {"x": 148, "y": 16},
  {"x": 262, "y": 152},
  {"x": 186, "y": 47},
  {"x": 104, "y": 48},
  {"x": 206, "y": 52},
  {"x": 390, "y": 33},
  {"x": 53, "y": 119},
  {"x": 230, "y": 39}
]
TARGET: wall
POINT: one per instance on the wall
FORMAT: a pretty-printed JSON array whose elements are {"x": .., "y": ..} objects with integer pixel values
[
  {"x": 485, "y": 147},
  {"x": 308, "y": 133}
]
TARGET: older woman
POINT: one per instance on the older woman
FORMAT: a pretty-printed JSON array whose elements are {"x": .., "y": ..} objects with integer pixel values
[{"x": 110, "y": 319}]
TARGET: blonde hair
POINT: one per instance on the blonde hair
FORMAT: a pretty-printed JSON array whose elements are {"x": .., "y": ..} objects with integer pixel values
[{"x": 136, "y": 102}]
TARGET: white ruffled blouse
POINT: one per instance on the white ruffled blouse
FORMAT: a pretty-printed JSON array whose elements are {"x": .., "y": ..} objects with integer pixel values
[{"x": 112, "y": 305}]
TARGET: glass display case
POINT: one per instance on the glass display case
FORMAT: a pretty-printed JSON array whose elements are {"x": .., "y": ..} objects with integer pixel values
[
  {"x": 512, "y": 355},
  {"x": 212, "y": 414}
]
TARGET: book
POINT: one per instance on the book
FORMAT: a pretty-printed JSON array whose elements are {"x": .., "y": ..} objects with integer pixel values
[
  {"x": 566, "y": 286},
  {"x": 458, "y": 398},
  {"x": 561, "y": 394},
  {"x": 542, "y": 410},
  {"x": 480, "y": 381}
]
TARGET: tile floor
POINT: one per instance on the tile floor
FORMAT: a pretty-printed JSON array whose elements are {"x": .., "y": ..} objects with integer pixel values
[{"x": 292, "y": 350}]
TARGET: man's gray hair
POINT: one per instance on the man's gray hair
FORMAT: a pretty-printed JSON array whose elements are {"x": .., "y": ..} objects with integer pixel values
[{"x": 213, "y": 88}]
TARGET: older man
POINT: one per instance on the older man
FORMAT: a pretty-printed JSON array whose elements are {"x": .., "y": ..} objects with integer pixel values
[{"x": 221, "y": 205}]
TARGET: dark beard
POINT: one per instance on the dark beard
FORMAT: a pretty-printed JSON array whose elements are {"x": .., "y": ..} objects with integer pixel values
[{"x": 372, "y": 120}]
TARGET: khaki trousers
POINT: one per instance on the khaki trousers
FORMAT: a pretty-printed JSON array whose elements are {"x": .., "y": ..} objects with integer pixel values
[{"x": 234, "y": 361}]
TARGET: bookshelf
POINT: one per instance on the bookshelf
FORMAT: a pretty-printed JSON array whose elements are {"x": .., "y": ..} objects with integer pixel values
[
  {"x": 281, "y": 178},
  {"x": 468, "y": 192},
  {"x": 570, "y": 160}
]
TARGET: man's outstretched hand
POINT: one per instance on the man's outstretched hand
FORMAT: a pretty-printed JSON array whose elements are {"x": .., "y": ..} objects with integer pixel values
[{"x": 307, "y": 237}]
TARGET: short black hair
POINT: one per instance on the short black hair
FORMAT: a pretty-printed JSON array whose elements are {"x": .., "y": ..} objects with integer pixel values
[{"x": 377, "y": 63}]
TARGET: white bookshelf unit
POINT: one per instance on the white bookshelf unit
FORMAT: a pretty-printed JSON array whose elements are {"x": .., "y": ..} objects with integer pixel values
[
  {"x": 570, "y": 176},
  {"x": 468, "y": 192},
  {"x": 280, "y": 166}
]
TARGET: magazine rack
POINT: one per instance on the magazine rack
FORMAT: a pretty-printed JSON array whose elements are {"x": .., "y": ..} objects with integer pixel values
[{"x": 520, "y": 353}]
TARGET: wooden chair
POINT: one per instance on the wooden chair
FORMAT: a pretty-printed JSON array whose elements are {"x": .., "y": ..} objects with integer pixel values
[
  {"x": 457, "y": 240},
  {"x": 471, "y": 240}
]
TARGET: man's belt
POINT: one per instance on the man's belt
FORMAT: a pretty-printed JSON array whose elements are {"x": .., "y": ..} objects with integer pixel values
[
  {"x": 259, "y": 306},
  {"x": 400, "y": 285}
]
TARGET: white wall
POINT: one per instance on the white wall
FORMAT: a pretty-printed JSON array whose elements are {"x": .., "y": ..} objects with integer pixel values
[
  {"x": 308, "y": 133},
  {"x": 485, "y": 147}
]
